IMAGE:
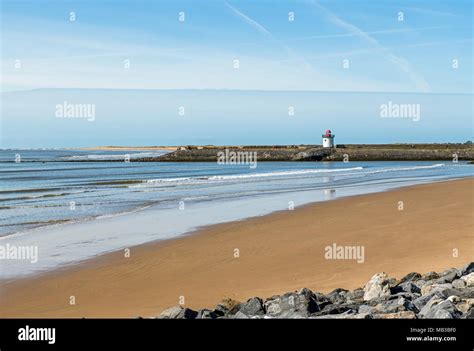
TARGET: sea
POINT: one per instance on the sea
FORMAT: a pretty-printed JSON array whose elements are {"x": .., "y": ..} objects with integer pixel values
[{"x": 72, "y": 205}]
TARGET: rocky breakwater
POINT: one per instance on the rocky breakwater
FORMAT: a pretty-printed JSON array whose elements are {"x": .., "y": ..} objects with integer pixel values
[
  {"x": 446, "y": 295},
  {"x": 403, "y": 152},
  {"x": 260, "y": 153},
  {"x": 350, "y": 152}
]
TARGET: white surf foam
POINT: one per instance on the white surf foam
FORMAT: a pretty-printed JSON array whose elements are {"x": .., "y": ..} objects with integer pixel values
[{"x": 248, "y": 176}]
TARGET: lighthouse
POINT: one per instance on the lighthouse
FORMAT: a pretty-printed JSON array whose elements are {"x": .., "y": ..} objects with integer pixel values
[{"x": 328, "y": 139}]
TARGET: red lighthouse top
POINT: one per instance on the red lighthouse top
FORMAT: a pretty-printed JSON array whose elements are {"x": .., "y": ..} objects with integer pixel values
[{"x": 328, "y": 133}]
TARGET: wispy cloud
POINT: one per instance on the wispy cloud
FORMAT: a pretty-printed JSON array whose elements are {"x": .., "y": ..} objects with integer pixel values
[
  {"x": 251, "y": 22},
  {"x": 400, "y": 62},
  {"x": 429, "y": 11},
  {"x": 261, "y": 29},
  {"x": 372, "y": 50},
  {"x": 383, "y": 31}
]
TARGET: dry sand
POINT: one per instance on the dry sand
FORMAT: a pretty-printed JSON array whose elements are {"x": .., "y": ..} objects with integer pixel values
[{"x": 278, "y": 253}]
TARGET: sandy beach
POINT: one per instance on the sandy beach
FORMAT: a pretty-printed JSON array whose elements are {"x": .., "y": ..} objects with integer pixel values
[{"x": 263, "y": 256}]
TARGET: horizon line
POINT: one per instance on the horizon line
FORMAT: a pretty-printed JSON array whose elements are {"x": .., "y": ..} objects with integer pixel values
[
  {"x": 85, "y": 148},
  {"x": 243, "y": 90}
]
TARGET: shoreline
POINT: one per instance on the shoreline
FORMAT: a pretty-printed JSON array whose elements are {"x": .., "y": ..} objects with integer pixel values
[{"x": 175, "y": 263}]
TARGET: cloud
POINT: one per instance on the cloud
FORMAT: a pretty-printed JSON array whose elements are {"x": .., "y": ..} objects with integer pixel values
[
  {"x": 372, "y": 50},
  {"x": 430, "y": 12},
  {"x": 265, "y": 32},
  {"x": 251, "y": 22},
  {"x": 383, "y": 31},
  {"x": 400, "y": 62}
]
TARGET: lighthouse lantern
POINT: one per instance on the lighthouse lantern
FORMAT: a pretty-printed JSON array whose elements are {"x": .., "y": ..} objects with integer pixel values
[{"x": 328, "y": 139}]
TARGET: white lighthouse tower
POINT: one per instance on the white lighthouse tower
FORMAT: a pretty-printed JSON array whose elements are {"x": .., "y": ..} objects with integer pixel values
[{"x": 328, "y": 139}]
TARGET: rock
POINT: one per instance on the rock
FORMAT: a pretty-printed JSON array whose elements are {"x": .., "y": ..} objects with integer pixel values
[
  {"x": 257, "y": 317},
  {"x": 321, "y": 299},
  {"x": 464, "y": 293},
  {"x": 355, "y": 296},
  {"x": 384, "y": 299},
  {"x": 428, "y": 288},
  {"x": 178, "y": 312},
  {"x": 171, "y": 313},
  {"x": 188, "y": 313},
  {"x": 430, "y": 276},
  {"x": 208, "y": 314},
  {"x": 437, "y": 308},
  {"x": 407, "y": 286},
  {"x": 464, "y": 305},
  {"x": 346, "y": 315},
  {"x": 407, "y": 295},
  {"x": 377, "y": 286},
  {"x": 443, "y": 310},
  {"x": 395, "y": 315},
  {"x": 292, "y": 305},
  {"x": 392, "y": 282},
  {"x": 240, "y": 315},
  {"x": 454, "y": 298},
  {"x": 434, "y": 300},
  {"x": 338, "y": 309},
  {"x": 253, "y": 307},
  {"x": 367, "y": 309},
  {"x": 447, "y": 277},
  {"x": 204, "y": 314},
  {"x": 458, "y": 283},
  {"x": 448, "y": 271},
  {"x": 468, "y": 279},
  {"x": 228, "y": 306},
  {"x": 375, "y": 301},
  {"x": 467, "y": 269},
  {"x": 421, "y": 301},
  {"x": 410, "y": 277},
  {"x": 397, "y": 305},
  {"x": 469, "y": 314},
  {"x": 420, "y": 283},
  {"x": 337, "y": 296}
]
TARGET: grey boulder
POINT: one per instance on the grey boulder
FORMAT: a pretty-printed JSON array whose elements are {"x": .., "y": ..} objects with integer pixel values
[
  {"x": 437, "y": 308},
  {"x": 178, "y": 312},
  {"x": 407, "y": 286},
  {"x": 378, "y": 286},
  {"x": 253, "y": 307},
  {"x": 292, "y": 305}
]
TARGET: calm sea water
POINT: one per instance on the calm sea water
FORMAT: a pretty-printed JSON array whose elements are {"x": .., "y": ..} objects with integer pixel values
[{"x": 76, "y": 210}]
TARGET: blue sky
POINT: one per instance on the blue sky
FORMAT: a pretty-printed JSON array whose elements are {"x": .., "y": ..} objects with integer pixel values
[
  {"x": 230, "y": 117},
  {"x": 384, "y": 54},
  {"x": 42, "y": 48}
]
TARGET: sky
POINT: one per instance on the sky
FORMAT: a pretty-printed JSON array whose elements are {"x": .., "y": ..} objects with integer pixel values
[{"x": 377, "y": 47}]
